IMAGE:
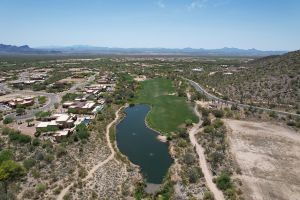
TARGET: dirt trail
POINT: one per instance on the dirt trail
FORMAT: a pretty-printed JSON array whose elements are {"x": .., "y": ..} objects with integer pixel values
[
  {"x": 111, "y": 156},
  {"x": 202, "y": 161}
]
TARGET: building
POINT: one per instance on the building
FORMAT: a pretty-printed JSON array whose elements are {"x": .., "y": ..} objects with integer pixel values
[
  {"x": 58, "y": 121},
  {"x": 60, "y": 135},
  {"x": 23, "y": 102}
]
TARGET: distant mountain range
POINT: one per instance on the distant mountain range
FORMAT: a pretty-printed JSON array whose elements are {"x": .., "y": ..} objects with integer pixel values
[
  {"x": 25, "y": 49},
  {"x": 83, "y": 49}
]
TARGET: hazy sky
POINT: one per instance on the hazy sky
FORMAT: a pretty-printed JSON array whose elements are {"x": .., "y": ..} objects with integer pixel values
[{"x": 261, "y": 24}]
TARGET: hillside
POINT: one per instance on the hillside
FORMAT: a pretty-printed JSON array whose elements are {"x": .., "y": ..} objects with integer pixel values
[{"x": 272, "y": 81}]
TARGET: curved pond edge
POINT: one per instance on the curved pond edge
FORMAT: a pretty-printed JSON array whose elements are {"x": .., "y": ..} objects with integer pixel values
[{"x": 149, "y": 188}]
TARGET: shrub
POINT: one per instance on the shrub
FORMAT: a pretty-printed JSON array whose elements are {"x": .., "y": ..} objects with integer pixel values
[
  {"x": 209, "y": 129},
  {"x": 205, "y": 112},
  {"x": 35, "y": 142},
  {"x": 7, "y": 120},
  {"x": 20, "y": 111},
  {"x": 70, "y": 97},
  {"x": 208, "y": 196},
  {"x": 82, "y": 131},
  {"x": 188, "y": 159},
  {"x": 223, "y": 181},
  {"x": 6, "y": 154},
  {"x": 49, "y": 158},
  {"x": 188, "y": 122},
  {"x": 194, "y": 174},
  {"x": 10, "y": 170},
  {"x": 218, "y": 113},
  {"x": 42, "y": 114},
  {"x": 206, "y": 121},
  {"x": 218, "y": 123},
  {"x": 41, "y": 187},
  {"x": 18, "y": 137},
  {"x": 29, "y": 163},
  {"x": 60, "y": 151},
  {"x": 273, "y": 114},
  {"x": 42, "y": 99}
]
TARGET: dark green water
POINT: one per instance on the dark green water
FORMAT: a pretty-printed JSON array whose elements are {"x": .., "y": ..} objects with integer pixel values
[{"x": 140, "y": 145}]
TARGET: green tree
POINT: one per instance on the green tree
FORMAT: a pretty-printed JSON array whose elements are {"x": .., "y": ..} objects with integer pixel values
[
  {"x": 7, "y": 120},
  {"x": 20, "y": 111},
  {"x": 5, "y": 155},
  {"x": 82, "y": 131},
  {"x": 10, "y": 171},
  {"x": 42, "y": 99},
  {"x": 223, "y": 181},
  {"x": 28, "y": 122}
]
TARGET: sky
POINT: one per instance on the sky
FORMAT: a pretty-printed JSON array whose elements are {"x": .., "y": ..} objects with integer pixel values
[{"x": 260, "y": 24}]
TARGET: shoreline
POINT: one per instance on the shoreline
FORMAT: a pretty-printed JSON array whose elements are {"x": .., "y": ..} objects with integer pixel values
[
  {"x": 150, "y": 188},
  {"x": 161, "y": 137}
]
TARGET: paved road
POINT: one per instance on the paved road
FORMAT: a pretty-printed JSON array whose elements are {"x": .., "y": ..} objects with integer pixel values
[{"x": 200, "y": 89}]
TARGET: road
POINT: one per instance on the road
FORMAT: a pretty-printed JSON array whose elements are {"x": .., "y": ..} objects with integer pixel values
[
  {"x": 202, "y": 160},
  {"x": 200, "y": 89},
  {"x": 51, "y": 97}
]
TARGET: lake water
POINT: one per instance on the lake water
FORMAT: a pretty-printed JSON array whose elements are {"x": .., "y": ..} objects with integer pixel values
[{"x": 141, "y": 146}]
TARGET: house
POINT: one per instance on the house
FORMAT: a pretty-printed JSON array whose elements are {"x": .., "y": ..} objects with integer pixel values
[
  {"x": 85, "y": 107},
  {"x": 60, "y": 135},
  {"x": 64, "y": 120},
  {"x": 24, "y": 102},
  {"x": 68, "y": 104},
  {"x": 58, "y": 121},
  {"x": 44, "y": 126}
]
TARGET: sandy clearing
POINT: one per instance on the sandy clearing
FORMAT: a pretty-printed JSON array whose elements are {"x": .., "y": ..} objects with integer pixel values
[{"x": 269, "y": 157}]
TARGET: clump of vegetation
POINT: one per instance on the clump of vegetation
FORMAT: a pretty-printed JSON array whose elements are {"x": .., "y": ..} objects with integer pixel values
[
  {"x": 16, "y": 136},
  {"x": 42, "y": 99},
  {"x": 8, "y": 120},
  {"x": 82, "y": 131},
  {"x": 42, "y": 114},
  {"x": 223, "y": 181},
  {"x": 41, "y": 187},
  {"x": 70, "y": 97}
]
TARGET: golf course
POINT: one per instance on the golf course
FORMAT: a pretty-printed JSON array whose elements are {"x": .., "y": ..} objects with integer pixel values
[{"x": 168, "y": 111}]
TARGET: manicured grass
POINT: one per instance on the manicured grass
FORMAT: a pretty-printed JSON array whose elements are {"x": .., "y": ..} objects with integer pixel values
[{"x": 168, "y": 112}]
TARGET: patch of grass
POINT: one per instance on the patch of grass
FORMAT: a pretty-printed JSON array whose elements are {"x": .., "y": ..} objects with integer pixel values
[{"x": 168, "y": 111}]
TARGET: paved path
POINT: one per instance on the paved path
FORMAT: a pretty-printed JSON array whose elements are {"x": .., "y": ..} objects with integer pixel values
[
  {"x": 96, "y": 167},
  {"x": 200, "y": 89},
  {"x": 202, "y": 161}
]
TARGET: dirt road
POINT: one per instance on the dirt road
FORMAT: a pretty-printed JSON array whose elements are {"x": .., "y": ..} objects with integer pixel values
[
  {"x": 202, "y": 161},
  {"x": 269, "y": 158}
]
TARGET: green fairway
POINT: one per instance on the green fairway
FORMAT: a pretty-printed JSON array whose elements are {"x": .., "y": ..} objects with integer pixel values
[{"x": 168, "y": 111}]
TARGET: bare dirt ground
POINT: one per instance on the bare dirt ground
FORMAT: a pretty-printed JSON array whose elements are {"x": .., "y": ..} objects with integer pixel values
[{"x": 269, "y": 158}]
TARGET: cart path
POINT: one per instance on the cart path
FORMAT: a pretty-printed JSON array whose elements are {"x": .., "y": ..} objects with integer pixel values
[{"x": 218, "y": 195}]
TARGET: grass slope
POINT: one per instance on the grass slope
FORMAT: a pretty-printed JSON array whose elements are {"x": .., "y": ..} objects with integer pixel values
[{"x": 168, "y": 112}]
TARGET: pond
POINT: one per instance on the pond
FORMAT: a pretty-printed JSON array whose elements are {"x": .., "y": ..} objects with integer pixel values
[{"x": 141, "y": 146}]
